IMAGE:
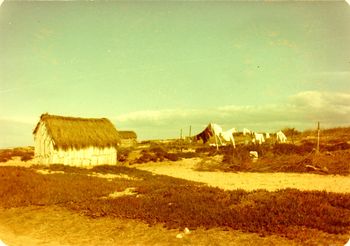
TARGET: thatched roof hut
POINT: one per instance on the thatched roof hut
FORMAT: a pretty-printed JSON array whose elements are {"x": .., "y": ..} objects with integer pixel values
[
  {"x": 78, "y": 133},
  {"x": 127, "y": 134},
  {"x": 55, "y": 135},
  {"x": 127, "y": 138}
]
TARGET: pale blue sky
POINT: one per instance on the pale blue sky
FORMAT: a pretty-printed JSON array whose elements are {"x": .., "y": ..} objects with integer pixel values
[{"x": 156, "y": 67}]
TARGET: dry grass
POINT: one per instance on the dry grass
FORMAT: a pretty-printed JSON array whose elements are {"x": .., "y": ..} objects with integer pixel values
[
  {"x": 283, "y": 158},
  {"x": 176, "y": 203}
]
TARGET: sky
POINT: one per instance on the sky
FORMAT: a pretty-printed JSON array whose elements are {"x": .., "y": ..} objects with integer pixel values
[{"x": 157, "y": 67}]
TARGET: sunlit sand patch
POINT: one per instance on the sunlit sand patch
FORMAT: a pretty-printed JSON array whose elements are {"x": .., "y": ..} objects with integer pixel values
[
  {"x": 108, "y": 176},
  {"x": 41, "y": 171},
  {"x": 127, "y": 192},
  {"x": 111, "y": 176},
  {"x": 185, "y": 169},
  {"x": 17, "y": 162}
]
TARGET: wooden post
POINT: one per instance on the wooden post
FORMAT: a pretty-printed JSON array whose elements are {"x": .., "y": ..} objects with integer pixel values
[
  {"x": 318, "y": 138},
  {"x": 216, "y": 142}
]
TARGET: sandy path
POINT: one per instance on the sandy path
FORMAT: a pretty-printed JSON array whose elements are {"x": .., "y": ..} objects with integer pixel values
[
  {"x": 242, "y": 180},
  {"x": 250, "y": 181}
]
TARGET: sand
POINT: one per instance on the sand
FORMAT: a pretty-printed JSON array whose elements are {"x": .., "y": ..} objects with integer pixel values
[{"x": 249, "y": 181}]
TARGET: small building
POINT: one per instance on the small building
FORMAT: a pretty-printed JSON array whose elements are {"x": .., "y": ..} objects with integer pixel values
[
  {"x": 127, "y": 138},
  {"x": 75, "y": 141}
]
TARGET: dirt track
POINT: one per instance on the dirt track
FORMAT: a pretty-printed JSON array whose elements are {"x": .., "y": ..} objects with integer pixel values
[{"x": 249, "y": 181}]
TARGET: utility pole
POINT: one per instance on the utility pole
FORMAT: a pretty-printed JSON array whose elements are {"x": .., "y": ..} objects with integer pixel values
[
  {"x": 181, "y": 133},
  {"x": 189, "y": 134}
]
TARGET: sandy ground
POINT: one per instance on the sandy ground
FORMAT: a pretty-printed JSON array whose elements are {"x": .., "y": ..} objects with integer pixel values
[
  {"x": 16, "y": 161},
  {"x": 249, "y": 181},
  {"x": 55, "y": 226}
]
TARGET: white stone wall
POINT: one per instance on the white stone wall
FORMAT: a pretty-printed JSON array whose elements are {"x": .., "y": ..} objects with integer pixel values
[
  {"x": 85, "y": 157},
  {"x": 128, "y": 142},
  {"x": 43, "y": 145}
]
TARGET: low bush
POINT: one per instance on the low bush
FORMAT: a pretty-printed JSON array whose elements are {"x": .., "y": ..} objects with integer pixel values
[
  {"x": 282, "y": 149},
  {"x": 335, "y": 162},
  {"x": 187, "y": 155},
  {"x": 123, "y": 154},
  {"x": 24, "y": 187},
  {"x": 25, "y": 154},
  {"x": 155, "y": 153},
  {"x": 207, "y": 150},
  {"x": 335, "y": 147},
  {"x": 237, "y": 159},
  {"x": 284, "y": 158}
]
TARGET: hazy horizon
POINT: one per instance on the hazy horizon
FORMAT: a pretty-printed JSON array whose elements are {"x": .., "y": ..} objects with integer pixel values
[{"x": 158, "y": 67}]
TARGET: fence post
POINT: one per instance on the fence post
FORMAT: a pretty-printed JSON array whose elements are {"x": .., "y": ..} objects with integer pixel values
[{"x": 318, "y": 138}]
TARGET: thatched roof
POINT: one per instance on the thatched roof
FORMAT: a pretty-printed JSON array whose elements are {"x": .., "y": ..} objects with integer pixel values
[
  {"x": 69, "y": 132},
  {"x": 127, "y": 134}
]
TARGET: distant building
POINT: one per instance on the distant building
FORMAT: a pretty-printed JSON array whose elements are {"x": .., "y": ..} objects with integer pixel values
[
  {"x": 127, "y": 138},
  {"x": 75, "y": 141}
]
